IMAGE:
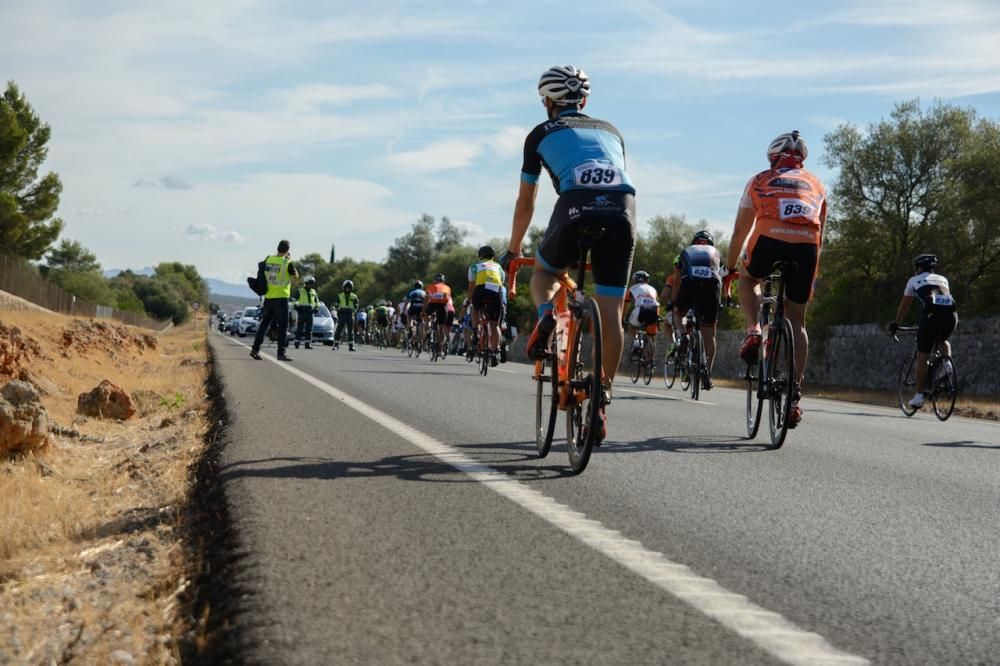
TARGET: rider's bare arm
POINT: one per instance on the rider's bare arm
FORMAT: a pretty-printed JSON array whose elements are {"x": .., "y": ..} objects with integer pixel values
[
  {"x": 904, "y": 307},
  {"x": 523, "y": 211},
  {"x": 744, "y": 223}
]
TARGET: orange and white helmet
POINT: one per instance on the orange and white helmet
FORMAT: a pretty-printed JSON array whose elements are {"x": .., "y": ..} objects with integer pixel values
[
  {"x": 787, "y": 145},
  {"x": 564, "y": 84}
]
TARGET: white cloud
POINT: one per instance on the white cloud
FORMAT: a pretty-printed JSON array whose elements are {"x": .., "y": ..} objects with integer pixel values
[
  {"x": 440, "y": 156},
  {"x": 312, "y": 96},
  {"x": 207, "y": 232}
]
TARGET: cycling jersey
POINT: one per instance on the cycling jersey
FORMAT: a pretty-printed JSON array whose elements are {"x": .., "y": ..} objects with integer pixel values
[
  {"x": 930, "y": 289},
  {"x": 438, "y": 293},
  {"x": 487, "y": 274},
  {"x": 579, "y": 152},
  {"x": 700, "y": 262},
  {"x": 416, "y": 297},
  {"x": 382, "y": 311},
  {"x": 362, "y": 316},
  {"x": 643, "y": 295},
  {"x": 789, "y": 205}
]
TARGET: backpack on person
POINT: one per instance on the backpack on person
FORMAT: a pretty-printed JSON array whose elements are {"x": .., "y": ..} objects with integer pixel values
[{"x": 258, "y": 284}]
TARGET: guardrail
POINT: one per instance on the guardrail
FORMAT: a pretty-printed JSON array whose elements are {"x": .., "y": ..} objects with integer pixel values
[{"x": 20, "y": 278}]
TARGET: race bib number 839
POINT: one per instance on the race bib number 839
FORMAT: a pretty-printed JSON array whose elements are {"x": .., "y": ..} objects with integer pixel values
[
  {"x": 597, "y": 173},
  {"x": 790, "y": 208}
]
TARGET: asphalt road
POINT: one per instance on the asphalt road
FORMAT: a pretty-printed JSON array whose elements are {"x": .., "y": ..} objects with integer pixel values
[{"x": 394, "y": 510}]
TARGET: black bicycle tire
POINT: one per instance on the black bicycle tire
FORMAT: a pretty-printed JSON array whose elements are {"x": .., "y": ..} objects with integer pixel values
[
  {"x": 634, "y": 367},
  {"x": 695, "y": 371},
  {"x": 952, "y": 389},
  {"x": 780, "y": 388},
  {"x": 648, "y": 359},
  {"x": 543, "y": 442},
  {"x": 579, "y": 447},
  {"x": 904, "y": 385},
  {"x": 670, "y": 369},
  {"x": 755, "y": 402}
]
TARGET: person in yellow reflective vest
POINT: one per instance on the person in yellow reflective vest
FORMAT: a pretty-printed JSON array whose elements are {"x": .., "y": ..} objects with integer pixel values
[
  {"x": 347, "y": 310},
  {"x": 278, "y": 271},
  {"x": 305, "y": 307}
]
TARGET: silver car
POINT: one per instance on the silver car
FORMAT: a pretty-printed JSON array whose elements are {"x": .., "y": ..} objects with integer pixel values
[
  {"x": 323, "y": 326},
  {"x": 248, "y": 322},
  {"x": 234, "y": 322}
]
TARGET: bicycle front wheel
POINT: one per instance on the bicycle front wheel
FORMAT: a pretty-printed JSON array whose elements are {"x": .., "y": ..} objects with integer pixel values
[
  {"x": 907, "y": 384},
  {"x": 648, "y": 362},
  {"x": 584, "y": 390},
  {"x": 945, "y": 388},
  {"x": 671, "y": 368},
  {"x": 546, "y": 404},
  {"x": 780, "y": 381},
  {"x": 694, "y": 362},
  {"x": 755, "y": 403}
]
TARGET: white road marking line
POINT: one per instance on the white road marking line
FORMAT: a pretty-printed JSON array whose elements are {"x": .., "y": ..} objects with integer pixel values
[{"x": 767, "y": 629}]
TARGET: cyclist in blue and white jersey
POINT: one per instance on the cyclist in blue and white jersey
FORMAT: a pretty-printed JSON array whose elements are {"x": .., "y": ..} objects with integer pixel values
[
  {"x": 699, "y": 279},
  {"x": 414, "y": 306},
  {"x": 937, "y": 321},
  {"x": 586, "y": 159}
]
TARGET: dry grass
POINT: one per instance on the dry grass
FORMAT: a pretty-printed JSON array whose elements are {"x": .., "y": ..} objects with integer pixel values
[
  {"x": 91, "y": 559},
  {"x": 975, "y": 406}
]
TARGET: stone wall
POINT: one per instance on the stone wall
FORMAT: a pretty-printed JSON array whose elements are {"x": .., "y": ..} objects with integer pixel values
[
  {"x": 863, "y": 356},
  {"x": 11, "y": 302}
]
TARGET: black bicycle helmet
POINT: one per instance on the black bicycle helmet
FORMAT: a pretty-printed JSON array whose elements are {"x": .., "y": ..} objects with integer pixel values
[
  {"x": 439, "y": 277},
  {"x": 640, "y": 276},
  {"x": 925, "y": 262},
  {"x": 487, "y": 252},
  {"x": 705, "y": 236}
]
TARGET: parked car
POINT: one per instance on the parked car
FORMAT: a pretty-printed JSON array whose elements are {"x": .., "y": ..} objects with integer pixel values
[
  {"x": 249, "y": 322},
  {"x": 323, "y": 326},
  {"x": 234, "y": 321}
]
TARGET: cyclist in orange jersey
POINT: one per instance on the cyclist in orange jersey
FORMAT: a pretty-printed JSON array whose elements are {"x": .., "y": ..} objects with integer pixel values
[
  {"x": 781, "y": 218},
  {"x": 438, "y": 297}
]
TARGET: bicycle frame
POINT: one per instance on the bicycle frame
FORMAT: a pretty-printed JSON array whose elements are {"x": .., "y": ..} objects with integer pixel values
[
  {"x": 566, "y": 326},
  {"x": 768, "y": 301}
]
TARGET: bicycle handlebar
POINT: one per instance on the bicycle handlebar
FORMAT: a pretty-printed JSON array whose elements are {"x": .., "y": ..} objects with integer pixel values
[{"x": 904, "y": 329}]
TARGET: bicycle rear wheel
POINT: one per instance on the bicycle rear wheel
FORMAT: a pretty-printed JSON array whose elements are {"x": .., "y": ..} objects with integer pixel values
[
  {"x": 648, "y": 364},
  {"x": 634, "y": 367},
  {"x": 584, "y": 402},
  {"x": 546, "y": 406},
  {"x": 780, "y": 381},
  {"x": 755, "y": 403},
  {"x": 907, "y": 384},
  {"x": 684, "y": 367},
  {"x": 944, "y": 388}
]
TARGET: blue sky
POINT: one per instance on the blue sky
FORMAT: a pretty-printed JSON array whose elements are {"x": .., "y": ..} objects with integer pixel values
[{"x": 204, "y": 132}]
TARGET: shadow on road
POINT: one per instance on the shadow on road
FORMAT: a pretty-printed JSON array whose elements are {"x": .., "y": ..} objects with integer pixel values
[
  {"x": 685, "y": 444},
  {"x": 965, "y": 444},
  {"x": 417, "y": 467}
]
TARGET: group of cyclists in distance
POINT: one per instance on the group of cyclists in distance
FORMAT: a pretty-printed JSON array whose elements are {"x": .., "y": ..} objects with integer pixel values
[{"x": 780, "y": 220}]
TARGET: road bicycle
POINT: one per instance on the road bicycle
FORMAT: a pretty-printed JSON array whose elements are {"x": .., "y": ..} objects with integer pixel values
[
  {"x": 431, "y": 339},
  {"x": 675, "y": 363},
  {"x": 695, "y": 368},
  {"x": 483, "y": 352},
  {"x": 641, "y": 361},
  {"x": 571, "y": 368},
  {"x": 770, "y": 373},
  {"x": 941, "y": 386}
]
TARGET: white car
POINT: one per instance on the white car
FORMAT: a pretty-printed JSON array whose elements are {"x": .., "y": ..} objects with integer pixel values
[
  {"x": 248, "y": 322},
  {"x": 323, "y": 326}
]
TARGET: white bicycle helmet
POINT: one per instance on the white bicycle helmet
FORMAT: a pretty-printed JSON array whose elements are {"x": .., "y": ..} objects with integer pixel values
[
  {"x": 787, "y": 144},
  {"x": 564, "y": 84}
]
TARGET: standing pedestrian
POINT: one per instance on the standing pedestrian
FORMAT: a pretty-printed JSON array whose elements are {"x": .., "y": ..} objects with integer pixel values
[
  {"x": 305, "y": 307},
  {"x": 347, "y": 309},
  {"x": 278, "y": 272}
]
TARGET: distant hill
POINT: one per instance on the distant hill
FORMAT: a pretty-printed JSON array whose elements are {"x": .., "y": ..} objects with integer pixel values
[
  {"x": 113, "y": 272},
  {"x": 220, "y": 288}
]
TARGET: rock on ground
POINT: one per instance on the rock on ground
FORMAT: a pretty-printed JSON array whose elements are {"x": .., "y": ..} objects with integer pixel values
[
  {"x": 24, "y": 423},
  {"x": 106, "y": 401}
]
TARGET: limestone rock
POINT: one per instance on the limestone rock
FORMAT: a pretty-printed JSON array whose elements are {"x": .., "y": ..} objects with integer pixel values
[
  {"x": 106, "y": 401},
  {"x": 24, "y": 423}
]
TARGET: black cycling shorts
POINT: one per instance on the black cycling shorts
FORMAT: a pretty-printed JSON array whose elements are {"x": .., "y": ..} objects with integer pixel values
[
  {"x": 611, "y": 255},
  {"x": 936, "y": 324},
  {"x": 702, "y": 294},
  {"x": 414, "y": 311},
  {"x": 382, "y": 321},
  {"x": 798, "y": 283},
  {"x": 487, "y": 302},
  {"x": 439, "y": 309}
]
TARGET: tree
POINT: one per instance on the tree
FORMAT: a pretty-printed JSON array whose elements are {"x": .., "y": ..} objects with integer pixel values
[
  {"x": 410, "y": 255},
  {"x": 924, "y": 180},
  {"x": 449, "y": 236},
  {"x": 27, "y": 202},
  {"x": 73, "y": 257},
  {"x": 185, "y": 279}
]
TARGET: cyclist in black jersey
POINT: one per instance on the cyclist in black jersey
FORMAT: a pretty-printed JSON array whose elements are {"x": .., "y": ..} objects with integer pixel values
[
  {"x": 937, "y": 320},
  {"x": 586, "y": 159}
]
